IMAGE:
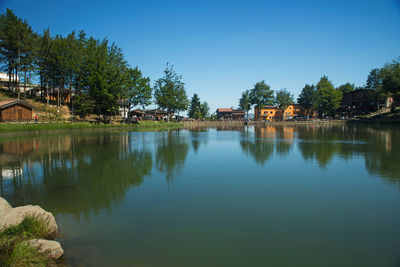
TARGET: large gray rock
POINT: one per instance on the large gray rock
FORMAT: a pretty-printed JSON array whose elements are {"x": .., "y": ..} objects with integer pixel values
[
  {"x": 15, "y": 216},
  {"x": 51, "y": 248},
  {"x": 4, "y": 206}
]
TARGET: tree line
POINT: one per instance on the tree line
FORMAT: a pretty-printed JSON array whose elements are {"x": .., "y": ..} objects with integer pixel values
[
  {"x": 95, "y": 70},
  {"x": 324, "y": 97}
]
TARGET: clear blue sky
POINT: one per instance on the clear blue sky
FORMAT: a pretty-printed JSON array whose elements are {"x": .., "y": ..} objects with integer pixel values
[{"x": 222, "y": 48}]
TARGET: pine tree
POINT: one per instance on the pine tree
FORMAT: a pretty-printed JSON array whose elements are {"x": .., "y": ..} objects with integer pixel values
[{"x": 194, "y": 107}]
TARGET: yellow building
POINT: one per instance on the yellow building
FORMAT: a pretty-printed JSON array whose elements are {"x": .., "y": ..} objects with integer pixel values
[{"x": 273, "y": 113}]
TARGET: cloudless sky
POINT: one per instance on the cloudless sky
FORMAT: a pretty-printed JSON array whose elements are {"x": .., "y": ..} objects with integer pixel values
[{"x": 222, "y": 48}]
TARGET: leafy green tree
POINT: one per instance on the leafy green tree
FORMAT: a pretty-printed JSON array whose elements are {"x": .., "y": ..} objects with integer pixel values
[
  {"x": 283, "y": 99},
  {"x": 306, "y": 98},
  {"x": 391, "y": 81},
  {"x": 375, "y": 85},
  {"x": 194, "y": 107},
  {"x": 374, "y": 80},
  {"x": 245, "y": 103},
  {"x": 169, "y": 92},
  {"x": 261, "y": 95},
  {"x": 204, "y": 110},
  {"x": 346, "y": 88},
  {"x": 327, "y": 98},
  {"x": 138, "y": 91}
]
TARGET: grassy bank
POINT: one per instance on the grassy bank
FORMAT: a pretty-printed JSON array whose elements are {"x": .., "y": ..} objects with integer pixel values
[
  {"x": 31, "y": 127},
  {"x": 13, "y": 251},
  {"x": 392, "y": 117}
]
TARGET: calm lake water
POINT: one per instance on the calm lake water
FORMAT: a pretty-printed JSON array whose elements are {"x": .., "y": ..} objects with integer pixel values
[{"x": 273, "y": 196}]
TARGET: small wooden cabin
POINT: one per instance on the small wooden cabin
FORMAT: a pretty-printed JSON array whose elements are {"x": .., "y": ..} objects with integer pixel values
[{"x": 15, "y": 110}]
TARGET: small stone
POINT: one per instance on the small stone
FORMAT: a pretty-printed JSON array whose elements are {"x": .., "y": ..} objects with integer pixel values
[{"x": 50, "y": 248}]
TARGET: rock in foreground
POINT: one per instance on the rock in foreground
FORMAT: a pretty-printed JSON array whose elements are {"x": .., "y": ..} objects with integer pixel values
[
  {"x": 4, "y": 207},
  {"x": 50, "y": 248},
  {"x": 14, "y": 216}
]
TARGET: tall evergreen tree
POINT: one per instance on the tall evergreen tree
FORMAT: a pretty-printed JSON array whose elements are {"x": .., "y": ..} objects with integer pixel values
[
  {"x": 43, "y": 61},
  {"x": 194, "y": 107},
  {"x": 17, "y": 45}
]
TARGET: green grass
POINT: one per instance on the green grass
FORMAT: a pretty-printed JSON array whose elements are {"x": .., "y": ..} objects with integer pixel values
[
  {"x": 26, "y": 127},
  {"x": 23, "y": 255},
  {"x": 13, "y": 251}
]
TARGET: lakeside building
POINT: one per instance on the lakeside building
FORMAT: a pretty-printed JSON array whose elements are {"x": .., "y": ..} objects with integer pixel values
[
  {"x": 137, "y": 113},
  {"x": 4, "y": 80},
  {"x": 273, "y": 113},
  {"x": 15, "y": 82},
  {"x": 230, "y": 114},
  {"x": 157, "y": 114},
  {"x": 63, "y": 95},
  {"x": 362, "y": 101},
  {"x": 15, "y": 110},
  {"x": 123, "y": 108}
]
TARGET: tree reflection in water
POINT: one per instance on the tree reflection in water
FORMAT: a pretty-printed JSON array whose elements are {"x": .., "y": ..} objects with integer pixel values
[
  {"x": 262, "y": 144},
  {"x": 378, "y": 145},
  {"x": 89, "y": 173},
  {"x": 79, "y": 174},
  {"x": 171, "y": 154}
]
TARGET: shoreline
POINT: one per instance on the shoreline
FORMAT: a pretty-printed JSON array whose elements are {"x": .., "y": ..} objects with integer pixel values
[
  {"x": 9, "y": 128},
  {"x": 33, "y": 127},
  {"x": 191, "y": 124}
]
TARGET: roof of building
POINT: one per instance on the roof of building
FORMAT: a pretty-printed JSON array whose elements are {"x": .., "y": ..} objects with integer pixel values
[
  {"x": 269, "y": 107},
  {"x": 137, "y": 111},
  {"x": 224, "y": 110},
  {"x": 156, "y": 111},
  {"x": 9, "y": 103}
]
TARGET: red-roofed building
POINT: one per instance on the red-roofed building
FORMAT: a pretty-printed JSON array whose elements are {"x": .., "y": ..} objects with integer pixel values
[{"x": 230, "y": 114}]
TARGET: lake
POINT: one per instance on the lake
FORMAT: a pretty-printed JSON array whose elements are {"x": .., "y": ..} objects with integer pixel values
[{"x": 245, "y": 196}]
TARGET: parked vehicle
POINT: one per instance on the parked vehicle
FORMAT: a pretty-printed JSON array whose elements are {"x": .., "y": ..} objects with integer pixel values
[
  {"x": 149, "y": 118},
  {"x": 300, "y": 118}
]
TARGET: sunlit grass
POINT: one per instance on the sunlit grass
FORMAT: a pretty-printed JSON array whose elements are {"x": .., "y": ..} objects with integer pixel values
[
  {"x": 13, "y": 251},
  {"x": 20, "y": 127}
]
